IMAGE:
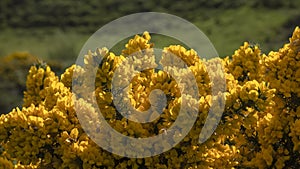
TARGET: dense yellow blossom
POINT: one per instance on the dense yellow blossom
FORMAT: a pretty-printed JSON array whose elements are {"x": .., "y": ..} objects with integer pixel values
[
  {"x": 259, "y": 127},
  {"x": 138, "y": 44},
  {"x": 246, "y": 63}
]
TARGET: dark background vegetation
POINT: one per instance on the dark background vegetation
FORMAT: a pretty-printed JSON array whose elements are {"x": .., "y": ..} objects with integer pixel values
[{"x": 55, "y": 31}]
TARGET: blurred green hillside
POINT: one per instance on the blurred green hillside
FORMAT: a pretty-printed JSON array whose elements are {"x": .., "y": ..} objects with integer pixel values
[
  {"x": 55, "y": 31},
  {"x": 48, "y": 27}
]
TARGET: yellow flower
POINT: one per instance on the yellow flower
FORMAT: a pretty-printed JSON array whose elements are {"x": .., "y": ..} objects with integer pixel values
[{"x": 253, "y": 95}]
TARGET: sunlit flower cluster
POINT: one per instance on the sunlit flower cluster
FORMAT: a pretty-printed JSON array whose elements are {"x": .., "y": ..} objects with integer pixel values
[
  {"x": 246, "y": 63},
  {"x": 259, "y": 126}
]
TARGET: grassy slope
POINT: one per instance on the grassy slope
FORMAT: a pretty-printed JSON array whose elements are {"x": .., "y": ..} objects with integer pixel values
[
  {"x": 45, "y": 44},
  {"x": 227, "y": 29}
]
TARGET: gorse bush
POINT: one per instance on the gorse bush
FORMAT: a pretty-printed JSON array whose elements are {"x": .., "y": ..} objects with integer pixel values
[{"x": 259, "y": 127}]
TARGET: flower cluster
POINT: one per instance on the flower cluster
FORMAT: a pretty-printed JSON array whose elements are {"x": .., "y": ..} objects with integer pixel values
[
  {"x": 246, "y": 63},
  {"x": 258, "y": 127}
]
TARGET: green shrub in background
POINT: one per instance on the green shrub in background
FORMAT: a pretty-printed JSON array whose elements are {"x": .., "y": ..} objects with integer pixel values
[{"x": 13, "y": 72}]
